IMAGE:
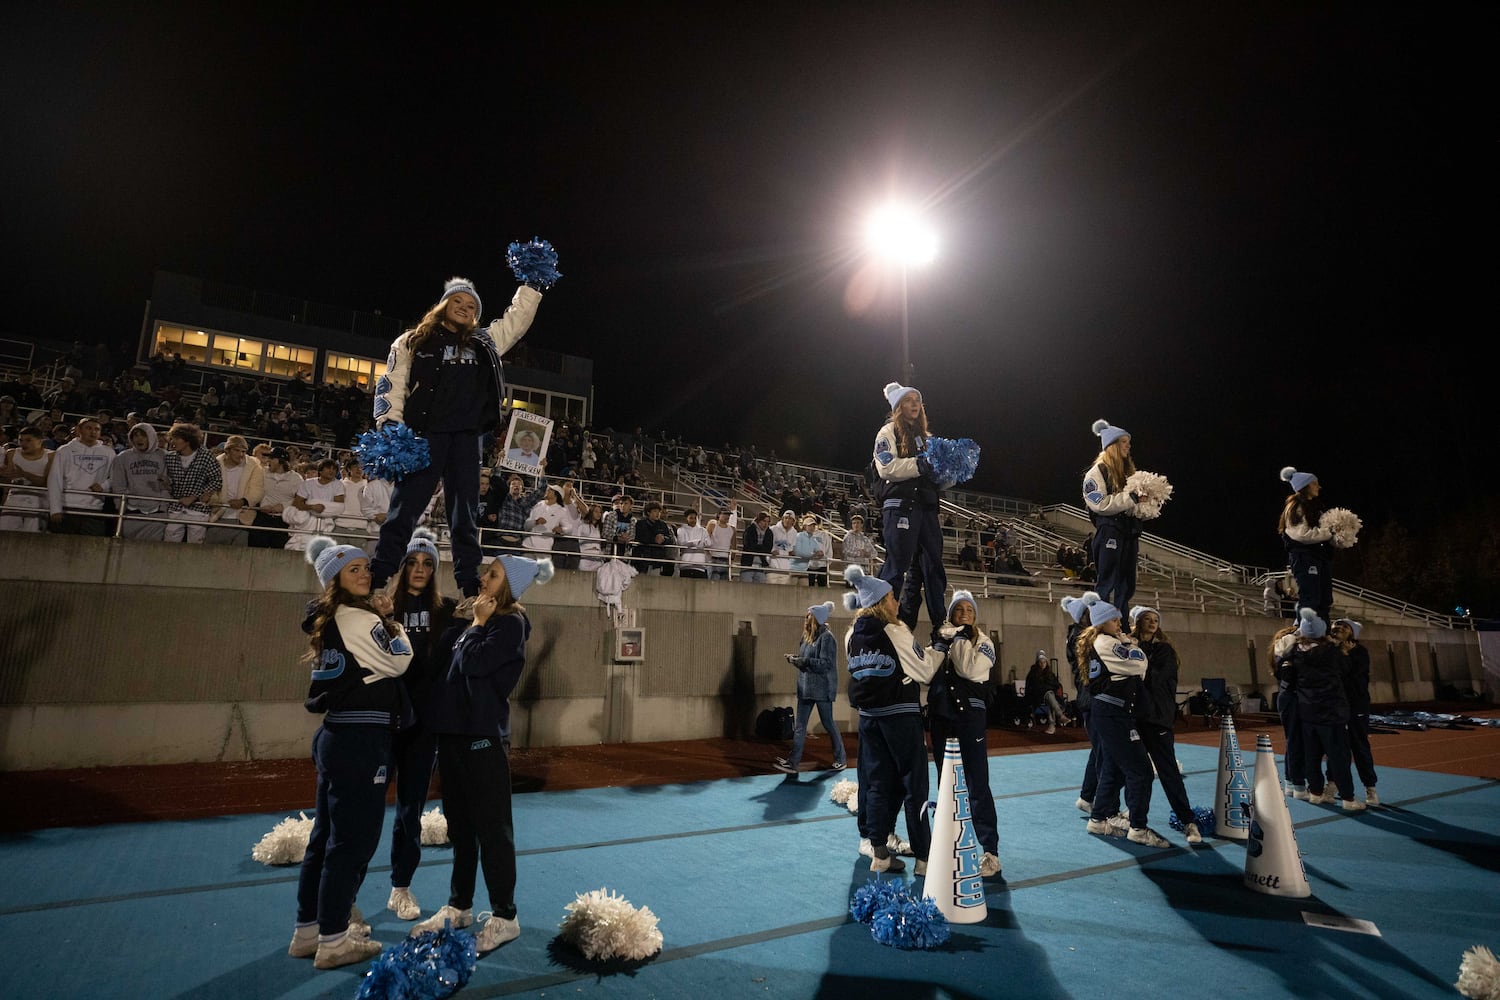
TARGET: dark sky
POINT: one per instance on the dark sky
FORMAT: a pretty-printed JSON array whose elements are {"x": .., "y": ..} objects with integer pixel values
[{"x": 1253, "y": 235}]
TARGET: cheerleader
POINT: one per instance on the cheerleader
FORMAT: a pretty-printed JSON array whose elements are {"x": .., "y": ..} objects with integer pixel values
[
  {"x": 909, "y": 507},
  {"x": 1320, "y": 669},
  {"x": 1077, "y": 608},
  {"x": 444, "y": 380},
  {"x": 1345, "y": 632},
  {"x": 1309, "y": 553},
  {"x": 1286, "y": 707},
  {"x": 1116, "y": 666},
  {"x": 1156, "y": 713},
  {"x": 956, "y": 708},
  {"x": 885, "y": 668},
  {"x": 1112, "y": 509},
  {"x": 357, "y": 655},
  {"x": 471, "y": 716},
  {"x": 424, "y": 614}
]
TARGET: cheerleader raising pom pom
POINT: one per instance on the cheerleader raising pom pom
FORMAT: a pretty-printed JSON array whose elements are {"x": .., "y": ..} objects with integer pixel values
[
  {"x": 534, "y": 263},
  {"x": 1152, "y": 491},
  {"x": 1343, "y": 525}
]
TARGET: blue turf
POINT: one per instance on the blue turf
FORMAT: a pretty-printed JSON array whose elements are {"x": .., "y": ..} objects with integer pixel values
[{"x": 751, "y": 877}]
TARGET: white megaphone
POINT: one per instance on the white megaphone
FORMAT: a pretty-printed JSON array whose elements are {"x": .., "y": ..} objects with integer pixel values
[
  {"x": 1273, "y": 864},
  {"x": 953, "y": 880},
  {"x": 1232, "y": 790}
]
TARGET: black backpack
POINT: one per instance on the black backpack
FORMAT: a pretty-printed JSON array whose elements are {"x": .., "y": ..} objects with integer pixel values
[{"x": 774, "y": 724}]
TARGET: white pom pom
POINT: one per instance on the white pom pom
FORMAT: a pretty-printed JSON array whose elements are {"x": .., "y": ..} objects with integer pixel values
[
  {"x": 889, "y": 388},
  {"x": 434, "y": 827},
  {"x": 1287, "y": 473},
  {"x": 843, "y": 791},
  {"x": 424, "y": 532},
  {"x": 1091, "y": 597},
  {"x": 1479, "y": 974},
  {"x": 603, "y": 925},
  {"x": 852, "y": 573},
  {"x": 544, "y": 571},
  {"x": 1100, "y": 425},
  {"x": 1307, "y": 614},
  {"x": 1344, "y": 524},
  {"x": 1153, "y": 490},
  {"x": 286, "y": 843},
  {"x": 316, "y": 546}
]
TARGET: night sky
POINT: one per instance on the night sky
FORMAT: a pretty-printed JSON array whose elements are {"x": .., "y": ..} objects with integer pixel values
[{"x": 1253, "y": 235}]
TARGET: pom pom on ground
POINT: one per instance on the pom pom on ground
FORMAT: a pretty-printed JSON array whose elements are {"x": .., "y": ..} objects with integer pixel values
[
  {"x": 844, "y": 791},
  {"x": 1344, "y": 524},
  {"x": 392, "y": 453},
  {"x": 1154, "y": 491},
  {"x": 1205, "y": 818},
  {"x": 533, "y": 263},
  {"x": 953, "y": 461},
  {"x": 872, "y": 897},
  {"x": 909, "y": 923},
  {"x": 286, "y": 843},
  {"x": 434, "y": 828},
  {"x": 427, "y": 967},
  {"x": 1479, "y": 974},
  {"x": 603, "y": 925}
]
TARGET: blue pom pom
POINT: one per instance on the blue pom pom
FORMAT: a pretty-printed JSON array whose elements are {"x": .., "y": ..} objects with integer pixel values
[
  {"x": 392, "y": 453},
  {"x": 910, "y": 923},
  {"x": 1205, "y": 818},
  {"x": 427, "y": 967},
  {"x": 870, "y": 898},
  {"x": 534, "y": 263},
  {"x": 952, "y": 461}
]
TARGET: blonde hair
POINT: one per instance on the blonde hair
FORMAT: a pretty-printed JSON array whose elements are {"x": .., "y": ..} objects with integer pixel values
[
  {"x": 877, "y": 610},
  {"x": 1083, "y": 649},
  {"x": 327, "y": 605},
  {"x": 906, "y": 432},
  {"x": 1119, "y": 468},
  {"x": 431, "y": 322}
]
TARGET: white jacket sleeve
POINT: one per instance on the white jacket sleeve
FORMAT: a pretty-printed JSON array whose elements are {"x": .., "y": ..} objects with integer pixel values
[
  {"x": 1120, "y": 656},
  {"x": 512, "y": 326},
  {"x": 973, "y": 660},
  {"x": 1104, "y": 503},
  {"x": 377, "y": 650},
  {"x": 916, "y": 662},
  {"x": 1308, "y": 534},
  {"x": 390, "y": 388},
  {"x": 891, "y": 468}
]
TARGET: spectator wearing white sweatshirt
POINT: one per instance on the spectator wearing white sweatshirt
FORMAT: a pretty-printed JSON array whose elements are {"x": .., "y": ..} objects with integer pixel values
[
  {"x": 77, "y": 481},
  {"x": 693, "y": 540}
]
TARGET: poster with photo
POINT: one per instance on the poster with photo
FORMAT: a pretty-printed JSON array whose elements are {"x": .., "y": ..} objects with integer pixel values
[{"x": 526, "y": 443}]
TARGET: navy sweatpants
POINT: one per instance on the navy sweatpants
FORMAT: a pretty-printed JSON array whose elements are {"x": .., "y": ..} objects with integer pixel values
[
  {"x": 1115, "y": 554},
  {"x": 476, "y": 800},
  {"x": 893, "y": 763},
  {"x": 1291, "y": 727},
  {"x": 974, "y": 751},
  {"x": 455, "y": 463},
  {"x": 1126, "y": 763},
  {"x": 915, "y": 535},
  {"x": 1313, "y": 572},
  {"x": 352, "y": 763},
  {"x": 414, "y": 754}
]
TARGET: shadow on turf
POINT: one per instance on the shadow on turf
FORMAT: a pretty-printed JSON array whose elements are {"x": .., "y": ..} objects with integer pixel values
[{"x": 566, "y": 956}]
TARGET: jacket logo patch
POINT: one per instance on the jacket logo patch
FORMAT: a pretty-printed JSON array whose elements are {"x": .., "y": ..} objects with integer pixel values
[
  {"x": 1312, "y": 571},
  {"x": 380, "y": 775},
  {"x": 394, "y": 644},
  {"x": 883, "y": 452},
  {"x": 480, "y": 745},
  {"x": 330, "y": 665},
  {"x": 1112, "y": 544},
  {"x": 902, "y": 524}
]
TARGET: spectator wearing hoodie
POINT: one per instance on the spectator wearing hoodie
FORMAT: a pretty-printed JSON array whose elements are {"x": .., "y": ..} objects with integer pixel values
[
  {"x": 77, "y": 481},
  {"x": 140, "y": 472}
]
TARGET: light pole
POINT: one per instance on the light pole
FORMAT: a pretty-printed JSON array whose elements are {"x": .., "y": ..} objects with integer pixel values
[{"x": 896, "y": 232}]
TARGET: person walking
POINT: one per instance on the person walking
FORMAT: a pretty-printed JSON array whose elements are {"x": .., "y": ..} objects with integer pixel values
[{"x": 816, "y": 660}]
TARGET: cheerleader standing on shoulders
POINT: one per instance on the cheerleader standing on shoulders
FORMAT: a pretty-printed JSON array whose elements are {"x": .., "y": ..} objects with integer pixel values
[
  {"x": 424, "y": 614},
  {"x": 909, "y": 508},
  {"x": 444, "y": 380},
  {"x": 1077, "y": 608},
  {"x": 956, "y": 708},
  {"x": 1116, "y": 666},
  {"x": 357, "y": 655},
  {"x": 1156, "y": 713},
  {"x": 471, "y": 715},
  {"x": 885, "y": 667},
  {"x": 1112, "y": 508},
  {"x": 1320, "y": 668},
  {"x": 1345, "y": 632},
  {"x": 1309, "y": 553}
]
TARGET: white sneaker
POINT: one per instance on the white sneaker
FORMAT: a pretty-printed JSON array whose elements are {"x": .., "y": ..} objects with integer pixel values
[
  {"x": 883, "y": 861},
  {"x": 1084, "y": 805},
  {"x": 403, "y": 904},
  {"x": 1193, "y": 836},
  {"x": 358, "y": 926},
  {"x": 495, "y": 932},
  {"x": 1326, "y": 797},
  {"x": 865, "y": 848},
  {"x": 989, "y": 865},
  {"x": 1354, "y": 806},
  {"x": 347, "y": 950},
  {"x": 448, "y": 914},
  {"x": 1147, "y": 836},
  {"x": 920, "y": 868},
  {"x": 896, "y": 845},
  {"x": 1300, "y": 792},
  {"x": 304, "y": 942},
  {"x": 1114, "y": 826},
  {"x": 1051, "y": 728},
  {"x": 1372, "y": 797}
]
